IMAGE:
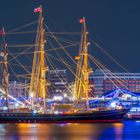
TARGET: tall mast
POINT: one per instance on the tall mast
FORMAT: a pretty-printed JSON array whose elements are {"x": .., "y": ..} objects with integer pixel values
[
  {"x": 83, "y": 69},
  {"x": 38, "y": 76},
  {"x": 42, "y": 60},
  {"x": 4, "y": 54},
  {"x": 85, "y": 64}
]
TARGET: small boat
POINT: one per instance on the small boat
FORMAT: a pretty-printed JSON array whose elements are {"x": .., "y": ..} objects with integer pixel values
[{"x": 134, "y": 114}]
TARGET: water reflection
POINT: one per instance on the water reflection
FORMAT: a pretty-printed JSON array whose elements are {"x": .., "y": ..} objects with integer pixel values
[
  {"x": 85, "y": 131},
  {"x": 118, "y": 128}
]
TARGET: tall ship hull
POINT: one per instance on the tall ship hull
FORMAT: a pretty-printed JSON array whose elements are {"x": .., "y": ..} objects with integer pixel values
[{"x": 96, "y": 116}]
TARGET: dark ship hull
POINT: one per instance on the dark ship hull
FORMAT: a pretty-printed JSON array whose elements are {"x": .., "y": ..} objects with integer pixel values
[{"x": 96, "y": 116}]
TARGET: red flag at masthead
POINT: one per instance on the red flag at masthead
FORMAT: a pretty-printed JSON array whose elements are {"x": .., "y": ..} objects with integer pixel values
[
  {"x": 37, "y": 10},
  {"x": 82, "y": 20},
  {"x": 1, "y": 32}
]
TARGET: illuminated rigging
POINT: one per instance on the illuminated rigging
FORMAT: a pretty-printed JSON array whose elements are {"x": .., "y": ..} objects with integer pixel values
[
  {"x": 38, "y": 75},
  {"x": 38, "y": 82}
]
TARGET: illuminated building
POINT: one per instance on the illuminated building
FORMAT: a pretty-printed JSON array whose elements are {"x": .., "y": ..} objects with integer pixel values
[
  {"x": 58, "y": 82},
  {"x": 17, "y": 89},
  {"x": 91, "y": 86},
  {"x": 104, "y": 81}
]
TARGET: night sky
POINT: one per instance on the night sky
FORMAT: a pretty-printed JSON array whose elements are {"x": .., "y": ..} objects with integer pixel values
[{"x": 114, "y": 24}]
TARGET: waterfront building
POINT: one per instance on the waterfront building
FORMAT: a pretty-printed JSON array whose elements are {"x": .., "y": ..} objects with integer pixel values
[
  {"x": 58, "y": 83},
  {"x": 17, "y": 89},
  {"x": 104, "y": 80},
  {"x": 91, "y": 86}
]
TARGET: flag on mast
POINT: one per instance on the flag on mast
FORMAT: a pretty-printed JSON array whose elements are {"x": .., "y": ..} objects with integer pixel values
[
  {"x": 82, "y": 20},
  {"x": 37, "y": 10},
  {"x": 1, "y": 32},
  {"x": 77, "y": 58}
]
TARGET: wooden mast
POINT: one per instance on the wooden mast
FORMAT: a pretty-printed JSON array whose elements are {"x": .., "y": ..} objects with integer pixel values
[
  {"x": 83, "y": 69},
  {"x": 85, "y": 64},
  {"x": 38, "y": 76},
  {"x": 42, "y": 60},
  {"x": 4, "y": 54}
]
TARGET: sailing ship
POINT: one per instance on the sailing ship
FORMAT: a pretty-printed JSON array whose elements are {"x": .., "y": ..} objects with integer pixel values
[{"x": 38, "y": 85}]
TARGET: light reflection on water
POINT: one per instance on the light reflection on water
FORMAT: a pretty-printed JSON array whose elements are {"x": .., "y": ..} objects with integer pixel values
[{"x": 68, "y": 131}]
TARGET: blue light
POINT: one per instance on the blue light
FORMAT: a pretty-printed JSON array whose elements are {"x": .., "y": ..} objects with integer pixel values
[
  {"x": 34, "y": 111},
  {"x": 113, "y": 104},
  {"x": 5, "y": 108}
]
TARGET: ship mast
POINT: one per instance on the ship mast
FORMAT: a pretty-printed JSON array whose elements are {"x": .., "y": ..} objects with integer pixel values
[
  {"x": 38, "y": 76},
  {"x": 4, "y": 55},
  {"x": 85, "y": 64},
  {"x": 42, "y": 60},
  {"x": 83, "y": 69}
]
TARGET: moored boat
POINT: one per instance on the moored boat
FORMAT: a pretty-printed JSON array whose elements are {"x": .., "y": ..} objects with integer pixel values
[
  {"x": 38, "y": 88},
  {"x": 115, "y": 115}
]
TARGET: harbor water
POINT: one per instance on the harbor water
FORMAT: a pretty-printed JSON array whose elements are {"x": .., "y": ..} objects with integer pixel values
[{"x": 127, "y": 130}]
